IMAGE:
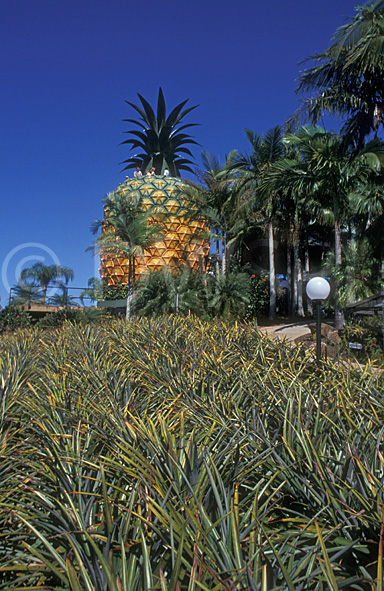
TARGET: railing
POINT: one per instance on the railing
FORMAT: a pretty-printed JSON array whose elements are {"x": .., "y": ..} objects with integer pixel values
[{"x": 36, "y": 298}]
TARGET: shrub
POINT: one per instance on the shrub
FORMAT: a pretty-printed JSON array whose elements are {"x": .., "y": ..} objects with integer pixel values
[
  {"x": 114, "y": 292},
  {"x": 75, "y": 316},
  {"x": 13, "y": 317},
  {"x": 168, "y": 291},
  {"x": 259, "y": 295},
  {"x": 228, "y": 294},
  {"x": 371, "y": 341}
]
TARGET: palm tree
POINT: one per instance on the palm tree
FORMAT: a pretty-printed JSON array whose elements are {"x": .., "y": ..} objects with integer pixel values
[
  {"x": 161, "y": 140},
  {"x": 298, "y": 211},
  {"x": 356, "y": 277},
  {"x": 63, "y": 298},
  {"x": 369, "y": 207},
  {"x": 324, "y": 171},
  {"x": 169, "y": 291},
  {"x": 126, "y": 231},
  {"x": 212, "y": 200},
  {"x": 228, "y": 294},
  {"x": 252, "y": 169},
  {"x": 94, "y": 291},
  {"x": 46, "y": 274},
  {"x": 26, "y": 293},
  {"x": 348, "y": 77}
]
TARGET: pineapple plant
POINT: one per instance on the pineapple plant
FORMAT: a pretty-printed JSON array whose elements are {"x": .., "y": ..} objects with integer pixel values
[
  {"x": 149, "y": 454},
  {"x": 158, "y": 195}
]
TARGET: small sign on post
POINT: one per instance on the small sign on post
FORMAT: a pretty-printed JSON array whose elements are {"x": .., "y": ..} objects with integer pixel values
[{"x": 355, "y": 345}]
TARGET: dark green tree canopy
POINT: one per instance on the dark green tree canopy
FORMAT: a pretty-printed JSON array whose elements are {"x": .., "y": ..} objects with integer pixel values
[{"x": 162, "y": 140}]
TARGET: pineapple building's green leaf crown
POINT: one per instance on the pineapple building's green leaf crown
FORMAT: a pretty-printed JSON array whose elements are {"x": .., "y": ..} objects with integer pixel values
[{"x": 161, "y": 140}]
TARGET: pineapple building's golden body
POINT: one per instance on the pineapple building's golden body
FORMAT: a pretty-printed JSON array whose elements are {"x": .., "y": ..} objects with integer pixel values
[{"x": 184, "y": 240}]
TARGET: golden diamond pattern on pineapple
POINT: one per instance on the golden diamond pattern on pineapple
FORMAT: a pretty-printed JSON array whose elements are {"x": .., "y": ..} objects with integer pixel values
[
  {"x": 159, "y": 196},
  {"x": 182, "y": 243},
  {"x": 134, "y": 184},
  {"x": 146, "y": 190}
]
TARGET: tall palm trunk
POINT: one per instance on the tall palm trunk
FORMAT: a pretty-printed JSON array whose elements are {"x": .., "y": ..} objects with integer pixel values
[
  {"x": 128, "y": 313},
  {"x": 224, "y": 255},
  {"x": 217, "y": 258},
  {"x": 297, "y": 272},
  {"x": 289, "y": 278},
  {"x": 306, "y": 277},
  {"x": 382, "y": 272},
  {"x": 339, "y": 315},
  {"x": 44, "y": 289},
  {"x": 272, "y": 273},
  {"x": 300, "y": 308}
]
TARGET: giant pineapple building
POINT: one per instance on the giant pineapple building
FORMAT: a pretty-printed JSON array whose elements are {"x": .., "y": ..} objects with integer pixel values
[
  {"x": 185, "y": 240},
  {"x": 163, "y": 144}
]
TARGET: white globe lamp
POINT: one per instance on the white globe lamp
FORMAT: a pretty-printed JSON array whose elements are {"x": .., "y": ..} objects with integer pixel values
[{"x": 318, "y": 290}]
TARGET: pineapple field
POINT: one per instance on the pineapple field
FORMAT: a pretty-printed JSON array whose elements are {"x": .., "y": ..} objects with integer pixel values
[{"x": 181, "y": 455}]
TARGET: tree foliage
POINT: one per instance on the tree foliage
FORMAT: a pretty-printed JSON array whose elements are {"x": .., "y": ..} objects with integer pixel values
[
  {"x": 127, "y": 231},
  {"x": 348, "y": 77},
  {"x": 169, "y": 292},
  {"x": 45, "y": 275}
]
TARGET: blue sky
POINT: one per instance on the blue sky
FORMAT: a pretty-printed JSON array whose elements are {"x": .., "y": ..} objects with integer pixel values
[{"x": 68, "y": 66}]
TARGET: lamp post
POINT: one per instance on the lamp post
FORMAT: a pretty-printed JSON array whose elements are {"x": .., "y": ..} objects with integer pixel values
[{"x": 318, "y": 290}]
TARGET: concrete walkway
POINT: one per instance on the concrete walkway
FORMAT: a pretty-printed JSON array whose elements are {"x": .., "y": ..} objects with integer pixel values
[{"x": 290, "y": 332}]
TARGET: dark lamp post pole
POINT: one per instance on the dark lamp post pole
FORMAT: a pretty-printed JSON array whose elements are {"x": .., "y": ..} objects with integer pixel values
[{"x": 318, "y": 290}]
